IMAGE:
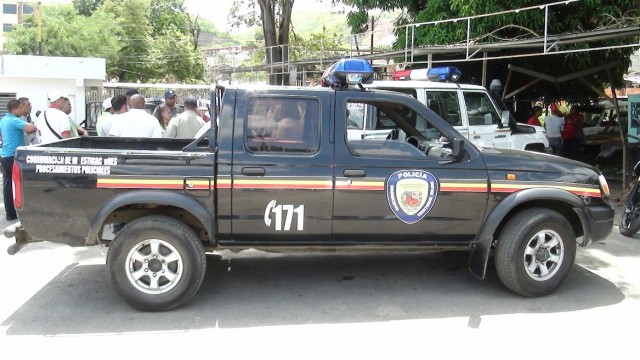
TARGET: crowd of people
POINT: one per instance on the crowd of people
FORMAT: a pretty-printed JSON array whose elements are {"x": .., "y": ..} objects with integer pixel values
[
  {"x": 562, "y": 129},
  {"x": 123, "y": 115}
]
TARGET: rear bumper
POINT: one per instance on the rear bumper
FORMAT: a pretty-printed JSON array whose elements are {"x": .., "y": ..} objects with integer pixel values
[{"x": 22, "y": 237}]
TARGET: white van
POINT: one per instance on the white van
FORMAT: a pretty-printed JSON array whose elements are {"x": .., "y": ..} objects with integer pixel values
[{"x": 469, "y": 108}]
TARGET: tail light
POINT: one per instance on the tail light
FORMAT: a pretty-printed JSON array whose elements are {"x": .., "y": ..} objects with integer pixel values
[{"x": 17, "y": 185}]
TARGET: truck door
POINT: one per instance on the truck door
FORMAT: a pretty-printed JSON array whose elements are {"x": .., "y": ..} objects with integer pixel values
[
  {"x": 406, "y": 189},
  {"x": 485, "y": 122},
  {"x": 282, "y": 177}
]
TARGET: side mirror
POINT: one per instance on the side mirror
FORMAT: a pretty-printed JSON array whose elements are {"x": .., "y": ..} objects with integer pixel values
[{"x": 458, "y": 151}]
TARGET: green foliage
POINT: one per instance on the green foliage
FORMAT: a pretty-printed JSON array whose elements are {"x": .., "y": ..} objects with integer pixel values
[
  {"x": 65, "y": 33},
  {"x": 167, "y": 14},
  {"x": 572, "y": 18},
  {"x": 145, "y": 40},
  {"x": 86, "y": 7},
  {"x": 317, "y": 44}
]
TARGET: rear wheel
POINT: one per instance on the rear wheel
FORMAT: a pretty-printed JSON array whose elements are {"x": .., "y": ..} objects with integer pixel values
[
  {"x": 156, "y": 263},
  {"x": 535, "y": 252},
  {"x": 630, "y": 219}
]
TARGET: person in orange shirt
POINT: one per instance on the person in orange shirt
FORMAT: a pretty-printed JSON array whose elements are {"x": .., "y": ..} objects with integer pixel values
[{"x": 536, "y": 112}]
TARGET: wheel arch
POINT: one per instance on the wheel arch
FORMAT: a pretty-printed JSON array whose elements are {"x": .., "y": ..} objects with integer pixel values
[
  {"x": 567, "y": 204},
  {"x": 168, "y": 198}
]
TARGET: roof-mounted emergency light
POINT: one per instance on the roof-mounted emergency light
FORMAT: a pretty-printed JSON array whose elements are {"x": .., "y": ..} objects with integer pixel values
[
  {"x": 448, "y": 73},
  {"x": 348, "y": 72}
]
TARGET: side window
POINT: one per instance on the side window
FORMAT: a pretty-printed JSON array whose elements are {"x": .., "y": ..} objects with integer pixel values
[
  {"x": 446, "y": 105},
  {"x": 282, "y": 125},
  {"x": 480, "y": 109},
  {"x": 355, "y": 116},
  {"x": 409, "y": 136}
]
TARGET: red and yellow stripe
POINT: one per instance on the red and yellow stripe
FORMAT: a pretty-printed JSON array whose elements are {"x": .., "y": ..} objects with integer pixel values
[
  {"x": 580, "y": 190},
  {"x": 470, "y": 186}
]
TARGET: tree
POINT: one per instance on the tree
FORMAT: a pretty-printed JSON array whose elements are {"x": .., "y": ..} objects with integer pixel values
[
  {"x": 65, "y": 33},
  {"x": 157, "y": 42},
  {"x": 87, "y": 7},
  {"x": 582, "y": 16},
  {"x": 275, "y": 19}
]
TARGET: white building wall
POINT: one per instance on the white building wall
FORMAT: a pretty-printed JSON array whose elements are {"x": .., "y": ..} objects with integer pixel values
[{"x": 34, "y": 76}]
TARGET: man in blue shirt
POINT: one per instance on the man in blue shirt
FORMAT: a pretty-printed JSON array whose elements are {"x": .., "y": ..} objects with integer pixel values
[{"x": 12, "y": 128}]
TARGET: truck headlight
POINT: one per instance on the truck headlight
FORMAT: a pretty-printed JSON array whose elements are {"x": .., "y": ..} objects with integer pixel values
[{"x": 604, "y": 187}]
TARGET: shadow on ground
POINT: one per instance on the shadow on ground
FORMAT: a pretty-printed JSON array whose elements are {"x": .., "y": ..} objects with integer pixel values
[{"x": 301, "y": 289}]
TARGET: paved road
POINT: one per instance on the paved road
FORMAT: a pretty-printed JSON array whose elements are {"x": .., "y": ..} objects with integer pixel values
[{"x": 56, "y": 300}]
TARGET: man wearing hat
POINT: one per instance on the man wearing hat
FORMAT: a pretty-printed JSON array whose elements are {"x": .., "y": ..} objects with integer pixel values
[
  {"x": 170, "y": 100},
  {"x": 107, "y": 111},
  {"x": 187, "y": 124},
  {"x": 53, "y": 123}
]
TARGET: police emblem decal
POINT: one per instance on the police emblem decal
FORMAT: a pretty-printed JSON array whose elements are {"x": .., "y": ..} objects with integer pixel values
[{"x": 411, "y": 194}]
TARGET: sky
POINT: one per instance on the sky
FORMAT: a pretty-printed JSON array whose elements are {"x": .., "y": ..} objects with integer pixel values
[{"x": 218, "y": 10}]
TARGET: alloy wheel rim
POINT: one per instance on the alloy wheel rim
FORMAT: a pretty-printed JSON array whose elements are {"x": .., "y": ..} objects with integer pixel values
[
  {"x": 543, "y": 255},
  {"x": 154, "y": 266}
]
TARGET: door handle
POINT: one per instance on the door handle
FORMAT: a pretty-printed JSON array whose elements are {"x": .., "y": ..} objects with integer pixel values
[
  {"x": 253, "y": 171},
  {"x": 355, "y": 173}
]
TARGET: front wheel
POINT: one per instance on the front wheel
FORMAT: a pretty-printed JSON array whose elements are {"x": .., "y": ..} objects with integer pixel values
[
  {"x": 535, "y": 252},
  {"x": 156, "y": 263},
  {"x": 630, "y": 218}
]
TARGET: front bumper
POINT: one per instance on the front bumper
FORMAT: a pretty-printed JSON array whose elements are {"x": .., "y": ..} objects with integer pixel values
[{"x": 597, "y": 222}]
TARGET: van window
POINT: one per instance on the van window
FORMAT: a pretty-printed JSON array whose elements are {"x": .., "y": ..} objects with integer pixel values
[
  {"x": 480, "y": 109},
  {"x": 446, "y": 105}
]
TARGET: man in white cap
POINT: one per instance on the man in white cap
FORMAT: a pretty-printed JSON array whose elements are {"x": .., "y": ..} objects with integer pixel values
[
  {"x": 105, "y": 118},
  {"x": 53, "y": 123}
]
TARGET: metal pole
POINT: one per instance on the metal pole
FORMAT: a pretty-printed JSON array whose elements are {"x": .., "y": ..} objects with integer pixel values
[{"x": 39, "y": 27}]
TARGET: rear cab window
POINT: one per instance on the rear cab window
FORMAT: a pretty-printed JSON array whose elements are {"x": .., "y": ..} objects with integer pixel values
[{"x": 282, "y": 125}]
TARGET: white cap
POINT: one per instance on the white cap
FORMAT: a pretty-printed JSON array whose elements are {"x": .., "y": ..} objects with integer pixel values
[
  {"x": 106, "y": 104},
  {"x": 55, "y": 94}
]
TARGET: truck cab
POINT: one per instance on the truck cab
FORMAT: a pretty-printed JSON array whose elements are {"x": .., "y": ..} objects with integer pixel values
[{"x": 468, "y": 108}]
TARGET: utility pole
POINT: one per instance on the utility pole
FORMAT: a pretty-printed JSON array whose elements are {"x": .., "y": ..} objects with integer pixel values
[{"x": 39, "y": 27}]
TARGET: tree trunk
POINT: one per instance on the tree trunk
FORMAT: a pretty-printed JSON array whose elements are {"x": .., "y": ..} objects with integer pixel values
[{"x": 276, "y": 24}]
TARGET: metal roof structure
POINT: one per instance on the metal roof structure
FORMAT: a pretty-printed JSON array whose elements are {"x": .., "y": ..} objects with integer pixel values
[{"x": 532, "y": 42}]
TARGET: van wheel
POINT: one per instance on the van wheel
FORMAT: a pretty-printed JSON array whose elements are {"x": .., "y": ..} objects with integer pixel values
[
  {"x": 535, "y": 252},
  {"x": 156, "y": 263}
]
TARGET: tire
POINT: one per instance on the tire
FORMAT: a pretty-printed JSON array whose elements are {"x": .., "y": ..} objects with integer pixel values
[
  {"x": 630, "y": 220},
  {"x": 156, "y": 263},
  {"x": 535, "y": 252}
]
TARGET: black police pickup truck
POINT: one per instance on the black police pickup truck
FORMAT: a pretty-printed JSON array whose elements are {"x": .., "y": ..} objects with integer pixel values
[{"x": 279, "y": 174}]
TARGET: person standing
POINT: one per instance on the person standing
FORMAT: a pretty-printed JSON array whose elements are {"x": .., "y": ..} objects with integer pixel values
[
  {"x": 53, "y": 123},
  {"x": 534, "y": 120},
  {"x": 187, "y": 124},
  {"x": 136, "y": 122},
  {"x": 104, "y": 118},
  {"x": 25, "y": 109},
  {"x": 572, "y": 125},
  {"x": 554, "y": 124},
  {"x": 13, "y": 128},
  {"x": 162, "y": 114},
  {"x": 170, "y": 99},
  {"x": 129, "y": 94}
]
